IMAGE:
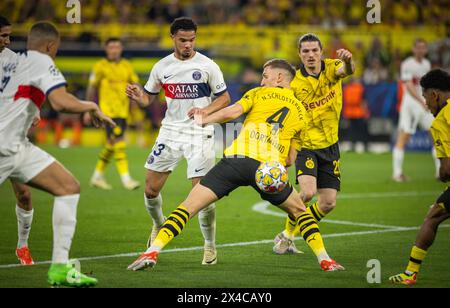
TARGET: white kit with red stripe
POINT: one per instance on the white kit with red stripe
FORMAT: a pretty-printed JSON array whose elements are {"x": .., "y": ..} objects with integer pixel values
[
  {"x": 26, "y": 79},
  {"x": 187, "y": 84}
]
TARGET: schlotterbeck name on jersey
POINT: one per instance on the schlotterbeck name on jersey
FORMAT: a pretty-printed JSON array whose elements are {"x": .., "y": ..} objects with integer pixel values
[{"x": 186, "y": 90}]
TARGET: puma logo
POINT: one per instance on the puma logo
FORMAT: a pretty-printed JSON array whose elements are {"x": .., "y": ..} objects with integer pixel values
[{"x": 312, "y": 239}]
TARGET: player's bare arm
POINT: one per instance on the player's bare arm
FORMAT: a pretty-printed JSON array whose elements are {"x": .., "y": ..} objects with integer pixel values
[
  {"x": 138, "y": 95},
  {"x": 219, "y": 103},
  {"x": 444, "y": 170},
  {"x": 62, "y": 101},
  {"x": 221, "y": 116},
  {"x": 411, "y": 88},
  {"x": 292, "y": 156},
  {"x": 349, "y": 66}
]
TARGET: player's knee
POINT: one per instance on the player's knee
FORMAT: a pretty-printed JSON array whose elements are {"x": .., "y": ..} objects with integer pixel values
[
  {"x": 327, "y": 205},
  {"x": 307, "y": 195},
  {"x": 24, "y": 198},
  {"x": 70, "y": 187},
  {"x": 150, "y": 192}
]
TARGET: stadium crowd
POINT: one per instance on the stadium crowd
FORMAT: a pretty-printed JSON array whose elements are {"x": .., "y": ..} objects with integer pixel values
[{"x": 328, "y": 13}]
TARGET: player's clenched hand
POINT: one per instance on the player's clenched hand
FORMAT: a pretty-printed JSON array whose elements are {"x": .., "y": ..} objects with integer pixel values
[
  {"x": 36, "y": 120},
  {"x": 344, "y": 55},
  {"x": 198, "y": 111},
  {"x": 199, "y": 116},
  {"x": 134, "y": 92},
  {"x": 99, "y": 119}
]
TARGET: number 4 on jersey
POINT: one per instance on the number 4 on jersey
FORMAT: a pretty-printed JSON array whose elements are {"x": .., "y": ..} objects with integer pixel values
[{"x": 277, "y": 119}]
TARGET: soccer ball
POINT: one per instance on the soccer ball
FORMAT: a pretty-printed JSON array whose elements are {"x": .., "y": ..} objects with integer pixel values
[{"x": 271, "y": 177}]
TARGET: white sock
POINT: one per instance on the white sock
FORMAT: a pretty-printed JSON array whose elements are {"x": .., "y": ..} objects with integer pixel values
[
  {"x": 125, "y": 178},
  {"x": 64, "y": 223},
  {"x": 437, "y": 162},
  {"x": 323, "y": 256},
  {"x": 24, "y": 221},
  {"x": 397, "y": 162},
  {"x": 207, "y": 221},
  {"x": 97, "y": 175},
  {"x": 154, "y": 208}
]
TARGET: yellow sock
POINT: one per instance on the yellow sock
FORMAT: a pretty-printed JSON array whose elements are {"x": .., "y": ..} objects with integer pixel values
[
  {"x": 415, "y": 259},
  {"x": 315, "y": 211},
  {"x": 311, "y": 233},
  {"x": 121, "y": 158},
  {"x": 172, "y": 227},
  {"x": 290, "y": 226},
  {"x": 104, "y": 158}
]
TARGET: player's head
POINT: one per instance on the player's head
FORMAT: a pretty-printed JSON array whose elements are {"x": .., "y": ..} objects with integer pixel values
[
  {"x": 310, "y": 50},
  {"x": 113, "y": 49},
  {"x": 277, "y": 72},
  {"x": 183, "y": 31},
  {"x": 44, "y": 37},
  {"x": 5, "y": 32},
  {"x": 436, "y": 89},
  {"x": 420, "y": 48}
]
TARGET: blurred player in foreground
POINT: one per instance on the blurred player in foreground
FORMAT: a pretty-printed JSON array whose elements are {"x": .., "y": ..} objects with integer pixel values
[
  {"x": 436, "y": 91},
  {"x": 274, "y": 112},
  {"x": 27, "y": 81},
  {"x": 24, "y": 207}
]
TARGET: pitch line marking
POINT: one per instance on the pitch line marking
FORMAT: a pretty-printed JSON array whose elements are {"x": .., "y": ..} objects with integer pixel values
[
  {"x": 263, "y": 208},
  {"x": 134, "y": 254}
]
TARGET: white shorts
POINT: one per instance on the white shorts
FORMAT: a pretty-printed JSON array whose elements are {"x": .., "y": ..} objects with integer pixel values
[
  {"x": 413, "y": 115},
  {"x": 197, "y": 150},
  {"x": 25, "y": 164}
]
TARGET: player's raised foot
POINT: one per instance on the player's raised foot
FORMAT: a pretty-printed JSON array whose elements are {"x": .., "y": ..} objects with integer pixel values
[
  {"x": 24, "y": 256},
  {"x": 131, "y": 184},
  {"x": 154, "y": 233},
  {"x": 404, "y": 278},
  {"x": 331, "y": 266},
  {"x": 101, "y": 183},
  {"x": 283, "y": 245},
  {"x": 66, "y": 275},
  {"x": 147, "y": 259},
  {"x": 401, "y": 178},
  {"x": 209, "y": 255}
]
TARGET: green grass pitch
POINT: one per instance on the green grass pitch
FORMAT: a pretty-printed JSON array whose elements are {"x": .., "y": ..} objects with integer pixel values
[{"x": 375, "y": 218}]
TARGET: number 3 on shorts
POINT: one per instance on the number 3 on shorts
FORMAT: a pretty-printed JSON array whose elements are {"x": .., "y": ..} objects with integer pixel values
[{"x": 160, "y": 148}]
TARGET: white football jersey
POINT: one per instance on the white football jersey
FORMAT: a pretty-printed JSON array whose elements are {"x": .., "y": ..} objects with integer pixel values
[
  {"x": 26, "y": 80},
  {"x": 187, "y": 84},
  {"x": 413, "y": 70}
]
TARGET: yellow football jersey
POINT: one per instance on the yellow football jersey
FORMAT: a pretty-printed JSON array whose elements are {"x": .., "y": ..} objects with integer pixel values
[
  {"x": 274, "y": 120},
  {"x": 322, "y": 98},
  {"x": 111, "y": 79},
  {"x": 440, "y": 130}
]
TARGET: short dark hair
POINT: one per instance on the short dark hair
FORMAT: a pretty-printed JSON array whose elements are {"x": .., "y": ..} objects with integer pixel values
[
  {"x": 309, "y": 37},
  {"x": 112, "y": 39},
  {"x": 436, "y": 79},
  {"x": 282, "y": 64},
  {"x": 43, "y": 30},
  {"x": 183, "y": 23},
  {"x": 4, "y": 22},
  {"x": 419, "y": 40}
]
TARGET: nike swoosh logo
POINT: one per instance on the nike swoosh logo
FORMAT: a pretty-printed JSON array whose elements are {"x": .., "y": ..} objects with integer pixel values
[
  {"x": 168, "y": 76},
  {"x": 198, "y": 170}
]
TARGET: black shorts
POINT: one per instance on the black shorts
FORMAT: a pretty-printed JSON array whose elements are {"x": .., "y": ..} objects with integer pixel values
[
  {"x": 231, "y": 173},
  {"x": 323, "y": 164},
  {"x": 118, "y": 131},
  {"x": 444, "y": 199}
]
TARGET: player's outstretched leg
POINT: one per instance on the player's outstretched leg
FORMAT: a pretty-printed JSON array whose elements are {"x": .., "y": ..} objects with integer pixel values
[{"x": 310, "y": 232}]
